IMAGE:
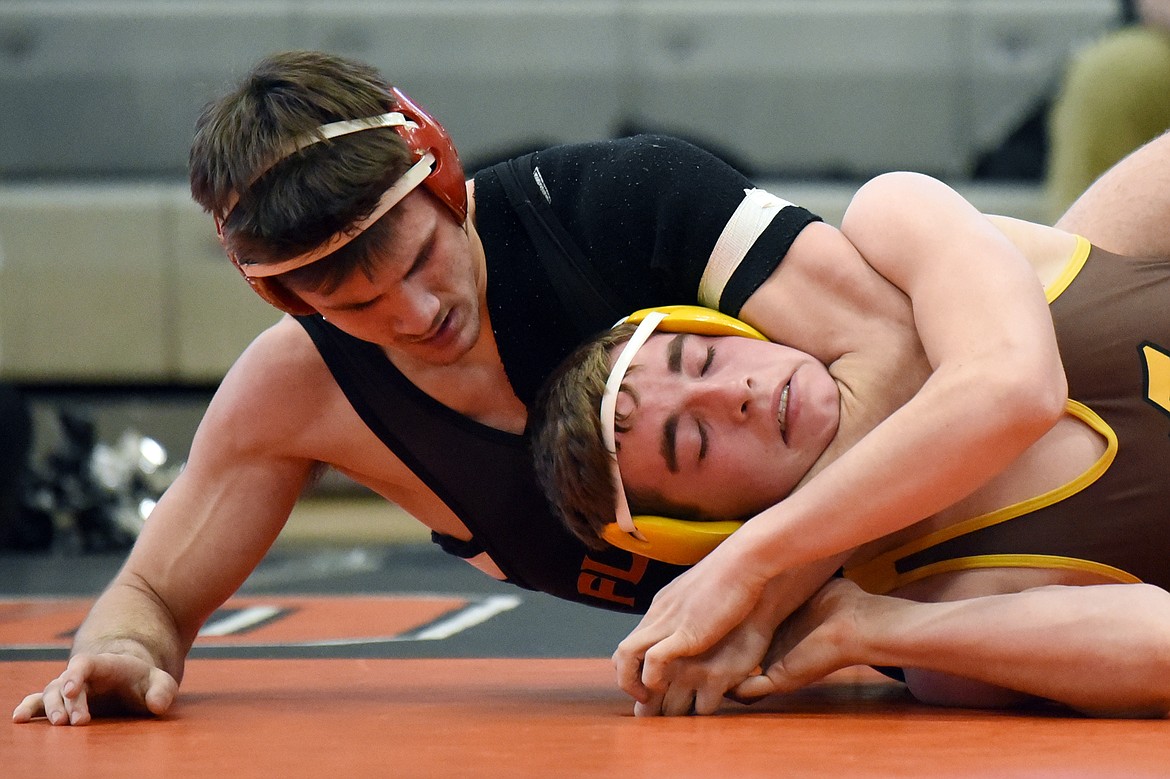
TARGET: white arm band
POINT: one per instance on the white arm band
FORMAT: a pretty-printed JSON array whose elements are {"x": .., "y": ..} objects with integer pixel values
[{"x": 751, "y": 218}]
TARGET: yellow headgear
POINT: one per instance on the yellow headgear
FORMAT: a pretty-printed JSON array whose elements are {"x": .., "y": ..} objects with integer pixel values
[{"x": 678, "y": 541}]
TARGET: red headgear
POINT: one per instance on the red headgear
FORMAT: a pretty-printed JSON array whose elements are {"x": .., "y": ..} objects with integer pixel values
[{"x": 424, "y": 137}]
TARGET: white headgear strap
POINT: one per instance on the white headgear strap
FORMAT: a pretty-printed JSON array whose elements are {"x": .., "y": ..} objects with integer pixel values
[
  {"x": 414, "y": 176},
  {"x": 323, "y": 133},
  {"x": 609, "y": 413},
  {"x": 390, "y": 198}
]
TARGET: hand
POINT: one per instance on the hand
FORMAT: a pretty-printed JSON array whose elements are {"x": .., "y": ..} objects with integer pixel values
[
  {"x": 819, "y": 638},
  {"x": 697, "y": 684},
  {"x": 686, "y": 618},
  {"x": 99, "y": 684}
]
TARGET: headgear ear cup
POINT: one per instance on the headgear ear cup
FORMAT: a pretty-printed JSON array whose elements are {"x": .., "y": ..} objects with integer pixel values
[
  {"x": 681, "y": 541},
  {"x": 280, "y": 296},
  {"x": 446, "y": 181},
  {"x": 697, "y": 320},
  {"x": 273, "y": 292},
  {"x": 675, "y": 541}
]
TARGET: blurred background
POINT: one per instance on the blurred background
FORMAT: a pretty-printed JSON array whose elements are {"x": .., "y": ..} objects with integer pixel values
[{"x": 117, "y": 307}]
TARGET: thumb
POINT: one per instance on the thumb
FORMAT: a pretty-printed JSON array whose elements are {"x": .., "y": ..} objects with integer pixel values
[{"x": 160, "y": 692}]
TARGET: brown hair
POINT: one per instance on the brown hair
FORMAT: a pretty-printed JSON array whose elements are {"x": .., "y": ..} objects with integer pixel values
[
  {"x": 572, "y": 463},
  {"x": 302, "y": 200}
]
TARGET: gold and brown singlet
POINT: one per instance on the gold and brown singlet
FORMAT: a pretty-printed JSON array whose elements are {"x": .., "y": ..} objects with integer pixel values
[{"x": 1112, "y": 318}]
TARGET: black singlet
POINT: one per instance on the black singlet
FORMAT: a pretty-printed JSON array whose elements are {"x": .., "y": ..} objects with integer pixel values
[{"x": 643, "y": 214}]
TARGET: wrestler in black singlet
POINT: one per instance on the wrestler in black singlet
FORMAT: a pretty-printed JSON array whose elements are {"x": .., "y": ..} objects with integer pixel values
[{"x": 574, "y": 237}]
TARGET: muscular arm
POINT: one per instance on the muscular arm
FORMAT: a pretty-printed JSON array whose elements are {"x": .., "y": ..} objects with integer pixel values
[
  {"x": 206, "y": 535},
  {"x": 1103, "y": 650},
  {"x": 996, "y": 385}
]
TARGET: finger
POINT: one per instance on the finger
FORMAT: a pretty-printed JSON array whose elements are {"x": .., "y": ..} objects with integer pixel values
[
  {"x": 629, "y": 676},
  {"x": 54, "y": 704},
  {"x": 77, "y": 673},
  {"x": 78, "y": 708},
  {"x": 28, "y": 709},
  {"x": 679, "y": 701},
  {"x": 656, "y": 664},
  {"x": 73, "y": 700},
  {"x": 161, "y": 692},
  {"x": 708, "y": 699},
  {"x": 652, "y": 707},
  {"x": 752, "y": 689}
]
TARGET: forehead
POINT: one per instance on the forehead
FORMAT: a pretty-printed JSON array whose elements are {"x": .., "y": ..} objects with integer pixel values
[
  {"x": 383, "y": 254},
  {"x": 656, "y": 364},
  {"x": 405, "y": 227},
  {"x": 653, "y": 351},
  {"x": 664, "y": 351}
]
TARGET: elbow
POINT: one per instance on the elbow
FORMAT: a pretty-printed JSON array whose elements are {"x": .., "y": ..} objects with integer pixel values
[
  {"x": 1046, "y": 404},
  {"x": 881, "y": 195},
  {"x": 1028, "y": 404}
]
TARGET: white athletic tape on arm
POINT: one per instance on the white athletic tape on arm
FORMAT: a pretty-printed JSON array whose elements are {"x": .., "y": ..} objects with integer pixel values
[{"x": 753, "y": 215}]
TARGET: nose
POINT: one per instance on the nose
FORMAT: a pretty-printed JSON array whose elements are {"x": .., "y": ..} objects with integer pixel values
[
  {"x": 730, "y": 397},
  {"x": 415, "y": 312}
]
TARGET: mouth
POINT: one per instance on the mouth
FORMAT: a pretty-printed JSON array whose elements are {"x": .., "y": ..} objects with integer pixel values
[
  {"x": 435, "y": 334},
  {"x": 782, "y": 412}
]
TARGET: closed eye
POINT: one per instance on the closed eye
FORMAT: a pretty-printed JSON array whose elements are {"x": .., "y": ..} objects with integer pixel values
[
  {"x": 360, "y": 306},
  {"x": 707, "y": 362}
]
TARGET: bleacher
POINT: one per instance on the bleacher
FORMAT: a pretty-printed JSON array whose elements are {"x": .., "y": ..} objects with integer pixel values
[{"x": 109, "y": 274}]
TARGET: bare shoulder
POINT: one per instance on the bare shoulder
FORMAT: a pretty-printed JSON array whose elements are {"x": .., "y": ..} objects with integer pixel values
[
  {"x": 902, "y": 211},
  {"x": 1125, "y": 211},
  {"x": 825, "y": 296},
  {"x": 273, "y": 394}
]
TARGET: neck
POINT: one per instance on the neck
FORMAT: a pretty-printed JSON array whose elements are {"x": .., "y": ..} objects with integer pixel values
[{"x": 870, "y": 392}]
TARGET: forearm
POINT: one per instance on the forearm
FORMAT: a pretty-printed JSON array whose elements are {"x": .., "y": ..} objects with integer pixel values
[
  {"x": 912, "y": 465},
  {"x": 1102, "y": 649},
  {"x": 996, "y": 381}
]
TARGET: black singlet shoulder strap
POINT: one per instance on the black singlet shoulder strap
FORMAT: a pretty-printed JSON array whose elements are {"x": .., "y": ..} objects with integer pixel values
[{"x": 577, "y": 285}]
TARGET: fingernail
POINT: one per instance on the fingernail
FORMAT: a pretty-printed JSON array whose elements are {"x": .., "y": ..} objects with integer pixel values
[
  {"x": 56, "y": 717},
  {"x": 68, "y": 688},
  {"x": 74, "y": 717}
]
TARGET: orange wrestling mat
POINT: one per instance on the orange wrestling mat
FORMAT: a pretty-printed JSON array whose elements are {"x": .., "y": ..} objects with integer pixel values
[
  {"x": 547, "y": 718},
  {"x": 268, "y": 621}
]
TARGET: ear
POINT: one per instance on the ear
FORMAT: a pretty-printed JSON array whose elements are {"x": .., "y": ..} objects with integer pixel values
[{"x": 446, "y": 181}]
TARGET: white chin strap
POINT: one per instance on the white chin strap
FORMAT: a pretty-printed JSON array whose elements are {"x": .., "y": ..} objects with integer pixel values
[{"x": 609, "y": 398}]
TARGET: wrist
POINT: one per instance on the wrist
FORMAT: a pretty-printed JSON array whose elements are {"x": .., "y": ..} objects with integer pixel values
[
  {"x": 876, "y": 629},
  {"x": 120, "y": 645}
]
